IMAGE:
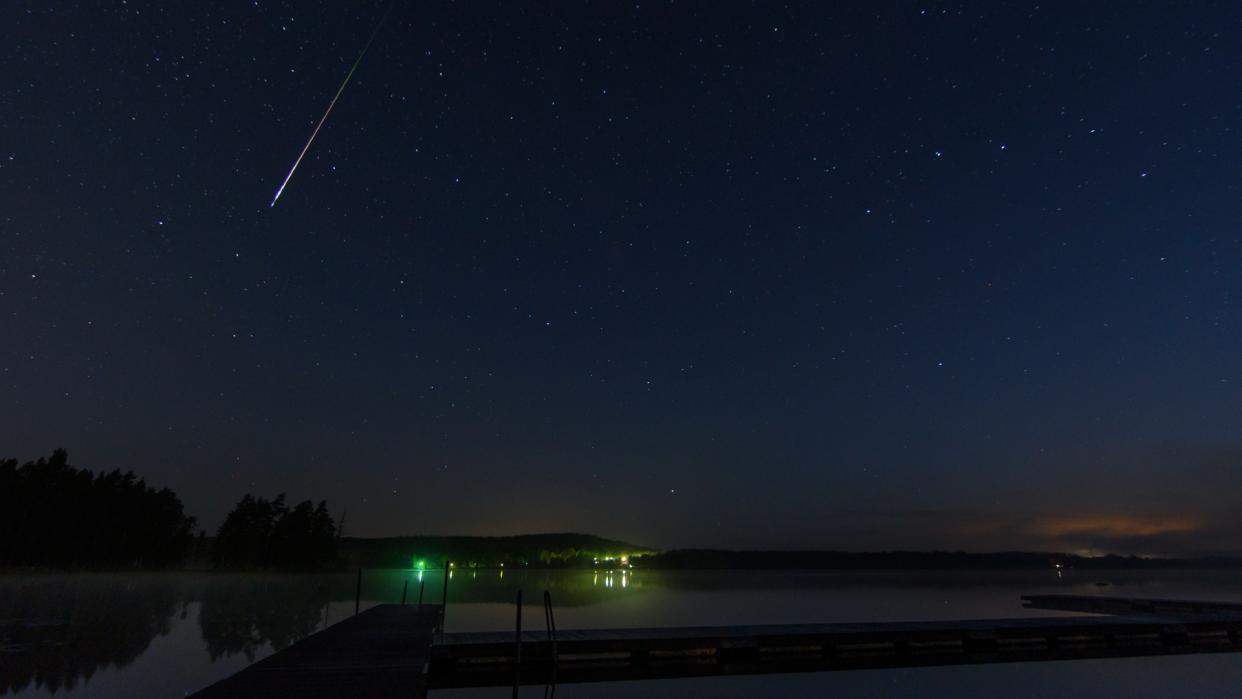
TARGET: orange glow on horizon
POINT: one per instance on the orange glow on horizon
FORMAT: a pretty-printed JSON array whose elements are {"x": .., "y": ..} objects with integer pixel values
[{"x": 1113, "y": 525}]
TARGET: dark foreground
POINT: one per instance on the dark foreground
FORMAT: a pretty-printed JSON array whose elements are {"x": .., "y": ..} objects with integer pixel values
[{"x": 393, "y": 650}]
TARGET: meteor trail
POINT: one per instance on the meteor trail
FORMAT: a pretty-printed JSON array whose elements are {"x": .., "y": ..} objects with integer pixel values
[{"x": 331, "y": 104}]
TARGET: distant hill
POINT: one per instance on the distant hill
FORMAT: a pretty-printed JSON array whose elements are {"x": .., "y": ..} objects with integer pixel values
[
  {"x": 583, "y": 550},
  {"x": 536, "y": 550}
]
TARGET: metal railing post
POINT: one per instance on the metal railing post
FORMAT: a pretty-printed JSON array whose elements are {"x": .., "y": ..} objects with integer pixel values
[
  {"x": 358, "y": 592},
  {"x": 444, "y": 600},
  {"x": 517, "y": 642},
  {"x": 550, "y": 621}
]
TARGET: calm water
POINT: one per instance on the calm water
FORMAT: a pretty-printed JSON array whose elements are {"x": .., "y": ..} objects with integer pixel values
[{"x": 116, "y": 635}]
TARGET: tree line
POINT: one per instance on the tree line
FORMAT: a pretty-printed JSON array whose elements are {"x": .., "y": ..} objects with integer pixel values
[
  {"x": 714, "y": 559},
  {"x": 262, "y": 533},
  {"x": 55, "y": 515}
]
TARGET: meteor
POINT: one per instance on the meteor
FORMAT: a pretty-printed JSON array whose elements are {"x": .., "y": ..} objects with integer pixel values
[{"x": 328, "y": 111}]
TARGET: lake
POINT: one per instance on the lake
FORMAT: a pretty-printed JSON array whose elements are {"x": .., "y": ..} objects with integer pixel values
[{"x": 168, "y": 634}]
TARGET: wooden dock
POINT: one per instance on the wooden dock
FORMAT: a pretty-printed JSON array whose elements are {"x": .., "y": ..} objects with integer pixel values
[
  {"x": 392, "y": 650},
  {"x": 1133, "y": 606},
  {"x": 381, "y": 652},
  {"x": 490, "y": 659}
]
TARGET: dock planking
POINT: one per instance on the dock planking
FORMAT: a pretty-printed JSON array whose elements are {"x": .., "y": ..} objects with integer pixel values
[
  {"x": 1134, "y": 606},
  {"x": 381, "y": 652},
  {"x": 488, "y": 659}
]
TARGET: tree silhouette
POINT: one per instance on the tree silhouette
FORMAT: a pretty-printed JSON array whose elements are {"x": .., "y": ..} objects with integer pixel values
[
  {"x": 262, "y": 533},
  {"x": 52, "y": 514}
]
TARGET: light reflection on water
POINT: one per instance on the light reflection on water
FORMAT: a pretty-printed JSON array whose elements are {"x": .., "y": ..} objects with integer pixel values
[{"x": 168, "y": 634}]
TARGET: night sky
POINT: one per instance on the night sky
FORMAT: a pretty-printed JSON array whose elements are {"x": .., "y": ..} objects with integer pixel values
[{"x": 688, "y": 274}]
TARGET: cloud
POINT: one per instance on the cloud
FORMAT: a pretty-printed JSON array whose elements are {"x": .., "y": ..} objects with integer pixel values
[
  {"x": 1112, "y": 526},
  {"x": 1177, "y": 534}
]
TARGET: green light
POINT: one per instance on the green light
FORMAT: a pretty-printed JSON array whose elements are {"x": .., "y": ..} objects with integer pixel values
[{"x": 420, "y": 564}]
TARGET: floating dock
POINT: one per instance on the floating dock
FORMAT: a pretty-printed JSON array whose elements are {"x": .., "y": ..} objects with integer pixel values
[
  {"x": 393, "y": 650},
  {"x": 1140, "y": 606},
  {"x": 491, "y": 659}
]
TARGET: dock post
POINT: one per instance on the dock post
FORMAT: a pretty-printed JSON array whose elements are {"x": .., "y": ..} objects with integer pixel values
[
  {"x": 444, "y": 600},
  {"x": 358, "y": 592},
  {"x": 550, "y": 620},
  {"x": 422, "y": 584},
  {"x": 517, "y": 642},
  {"x": 405, "y": 587}
]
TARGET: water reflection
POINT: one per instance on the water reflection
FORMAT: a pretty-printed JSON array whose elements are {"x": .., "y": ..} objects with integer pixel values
[
  {"x": 569, "y": 588},
  {"x": 613, "y": 578},
  {"x": 56, "y": 633},
  {"x": 59, "y": 631},
  {"x": 244, "y": 618}
]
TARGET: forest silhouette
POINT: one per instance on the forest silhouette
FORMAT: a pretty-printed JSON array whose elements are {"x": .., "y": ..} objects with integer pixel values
[
  {"x": 55, "y": 515},
  {"x": 262, "y": 533}
]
